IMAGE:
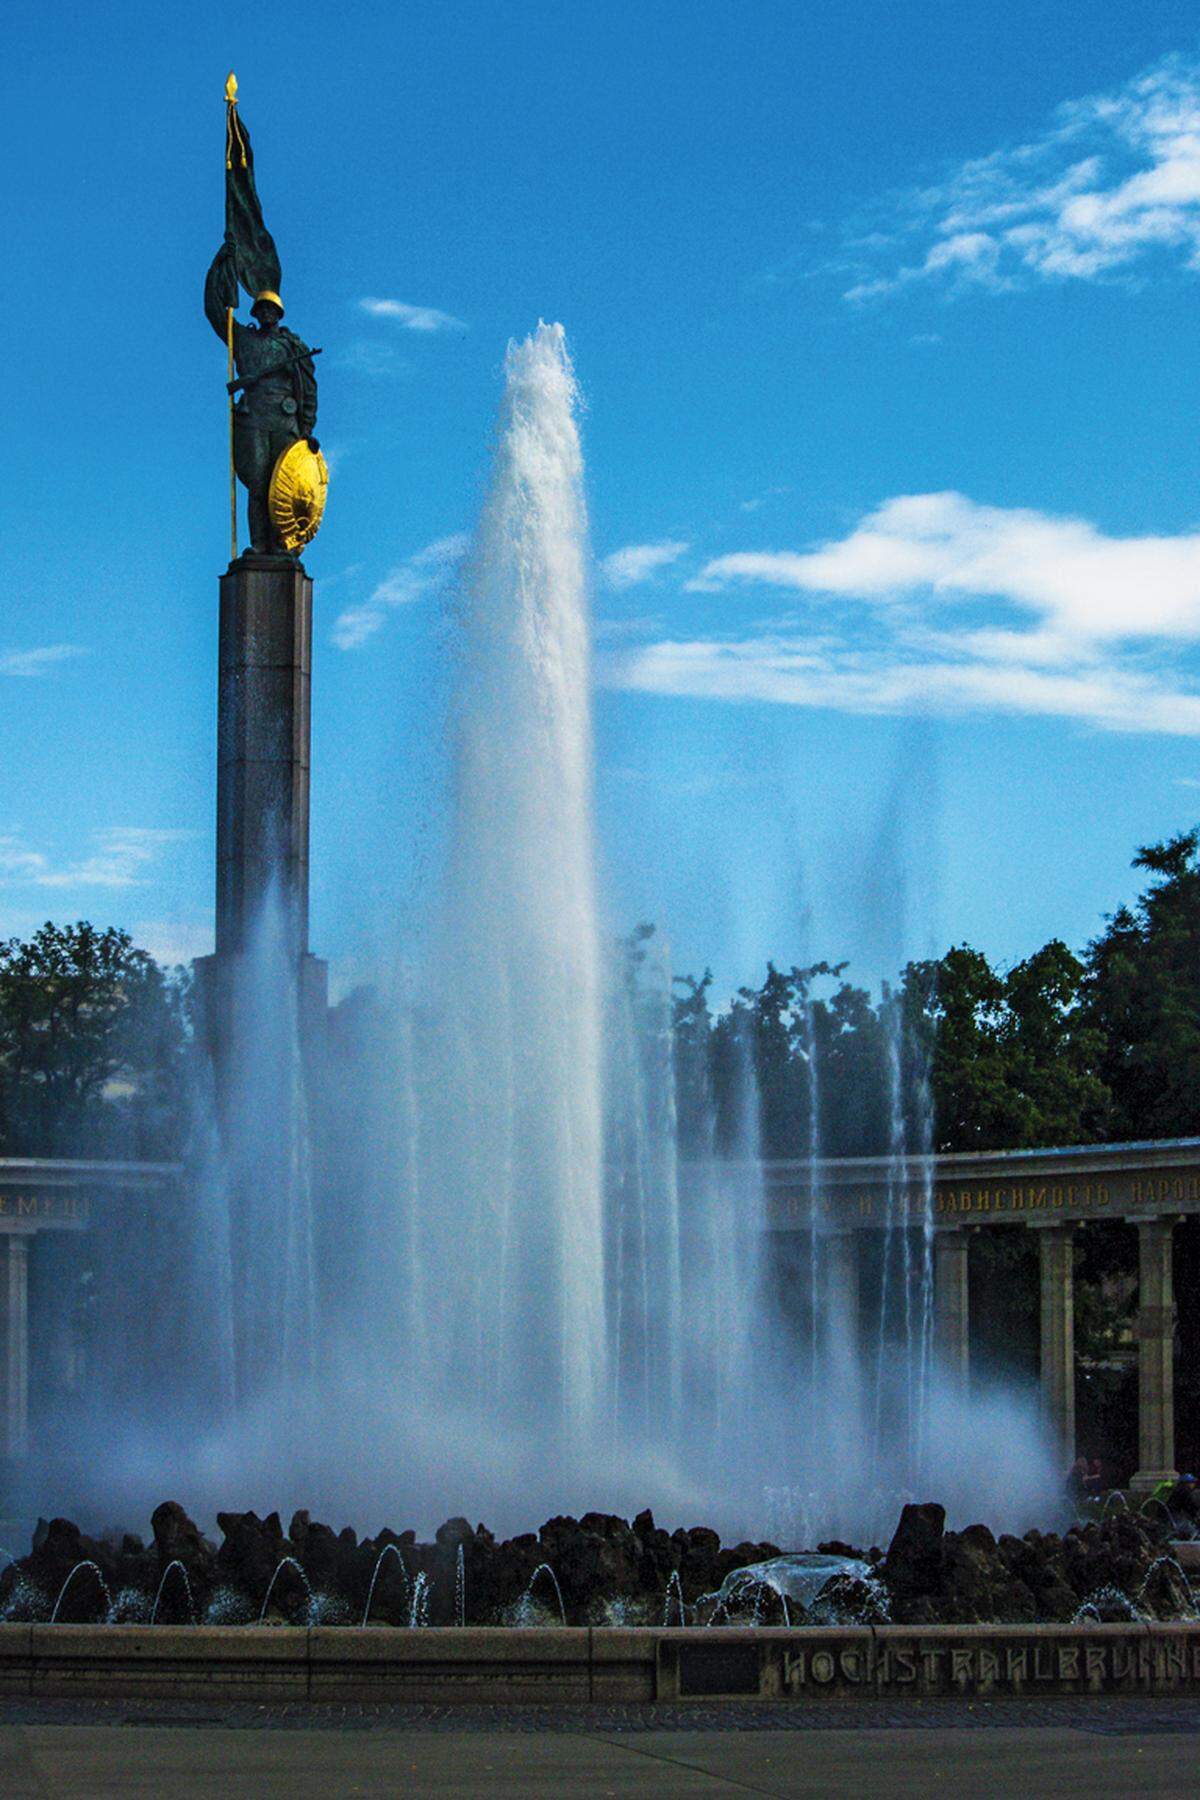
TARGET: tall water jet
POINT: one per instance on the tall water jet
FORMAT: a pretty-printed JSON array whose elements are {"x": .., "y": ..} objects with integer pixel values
[
  {"x": 268, "y": 1152},
  {"x": 517, "y": 979}
]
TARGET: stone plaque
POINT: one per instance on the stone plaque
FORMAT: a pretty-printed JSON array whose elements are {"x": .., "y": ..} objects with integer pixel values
[{"x": 718, "y": 1669}]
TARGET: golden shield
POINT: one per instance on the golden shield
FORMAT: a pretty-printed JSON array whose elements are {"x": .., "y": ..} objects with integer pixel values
[{"x": 296, "y": 497}]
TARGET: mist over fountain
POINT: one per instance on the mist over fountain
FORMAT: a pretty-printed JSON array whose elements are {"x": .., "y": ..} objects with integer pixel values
[{"x": 461, "y": 1254}]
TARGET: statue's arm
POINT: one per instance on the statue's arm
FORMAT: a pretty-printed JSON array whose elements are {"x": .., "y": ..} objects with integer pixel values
[
  {"x": 221, "y": 289},
  {"x": 306, "y": 387}
]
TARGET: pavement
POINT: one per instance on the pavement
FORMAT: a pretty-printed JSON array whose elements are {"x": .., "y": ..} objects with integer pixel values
[{"x": 1104, "y": 1749}]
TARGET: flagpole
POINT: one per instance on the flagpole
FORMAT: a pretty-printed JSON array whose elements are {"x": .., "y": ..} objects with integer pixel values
[
  {"x": 230, "y": 103},
  {"x": 232, "y": 470}
]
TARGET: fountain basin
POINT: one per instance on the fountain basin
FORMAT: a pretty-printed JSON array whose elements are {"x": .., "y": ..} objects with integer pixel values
[{"x": 556, "y": 1666}]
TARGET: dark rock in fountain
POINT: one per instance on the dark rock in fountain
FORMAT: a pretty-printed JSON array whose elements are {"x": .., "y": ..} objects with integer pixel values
[
  {"x": 913, "y": 1565},
  {"x": 252, "y": 1550},
  {"x": 330, "y": 1559},
  {"x": 177, "y": 1539},
  {"x": 593, "y": 1557},
  {"x": 453, "y": 1533},
  {"x": 934, "y": 1576},
  {"x": 658, "y": 1560},
  {"x": 61, "y": 1547},
  {"x": 603, "y": 1567}
]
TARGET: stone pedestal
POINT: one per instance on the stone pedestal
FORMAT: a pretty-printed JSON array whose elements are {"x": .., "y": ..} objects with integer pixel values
[
  {"x": 14, "y": 1344},
  {"x": 1156, "y": 1354},
  {"x": 1058, "y": 1338},
  {"x": 263, "y": 756},
  {"x": 951, "y": 1306},
  {"x": 263, "y": 765}
]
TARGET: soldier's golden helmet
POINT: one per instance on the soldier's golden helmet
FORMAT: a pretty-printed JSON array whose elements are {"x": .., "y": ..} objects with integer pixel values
[{"x": 267, "y": 297}]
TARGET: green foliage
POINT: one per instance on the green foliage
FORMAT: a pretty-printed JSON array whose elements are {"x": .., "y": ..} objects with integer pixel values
[
  {"x": 1143, "y": 999},
  {"x": 1056, "y": 1050},
  {"x": 91, "y": 1046},
  {"x": 1012, "y": 1056}
]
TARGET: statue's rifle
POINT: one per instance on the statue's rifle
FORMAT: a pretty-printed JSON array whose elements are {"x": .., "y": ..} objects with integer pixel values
[{"x": 245, "y": 382}]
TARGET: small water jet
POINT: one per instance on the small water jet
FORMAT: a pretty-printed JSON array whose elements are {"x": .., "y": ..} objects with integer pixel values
[
  {"x": 80, "y": 1569},
  {"x": 418, "y": 1612},
  {"x": 388, "y": 1550},
  {"x": 674, "y": 1593},
  {"x": 1169, "y": 1566},
  {"x": 527, "y": 1605},
  {"x": 187, "y": 1588},
  {"x": 287, "y": 1562},
  {"x": 1105, "y": 1606}
]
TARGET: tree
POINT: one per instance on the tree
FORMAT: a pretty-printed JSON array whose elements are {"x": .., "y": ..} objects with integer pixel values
[
  {"x": 1052, "y": 1049},
  {"x": 851, "y": 1054},
  {"x": 968, "y": 1076},
  {"x": 1142, "y": 997},
  {"x": 1011, "y": 1058},
  {"x": 692, "y": 1023},
  {"x": 91, "y": 1046}
]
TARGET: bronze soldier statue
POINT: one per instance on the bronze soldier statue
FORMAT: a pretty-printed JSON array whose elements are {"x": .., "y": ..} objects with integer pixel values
[
  {"x": 273, "y": 451},
  {"x": 278, "y": 401}
]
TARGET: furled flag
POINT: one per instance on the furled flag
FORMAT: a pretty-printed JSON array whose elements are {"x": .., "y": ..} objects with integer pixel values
[{"x": 255, "y": 255}]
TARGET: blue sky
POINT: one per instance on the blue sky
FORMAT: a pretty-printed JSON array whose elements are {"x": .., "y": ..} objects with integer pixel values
[{"x": 886, "y": 320}]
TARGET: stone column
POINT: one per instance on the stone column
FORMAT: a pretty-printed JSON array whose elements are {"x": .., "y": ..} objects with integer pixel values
[
  {"x": 14, "y": 1345},
  {"x": 264, "y": 693},
  {"x": 263, "y": 733},
  {"x": 951, "y": 1305},
  {"x": 1058, "y": 1338},
  {"x": 841, "y": 1277},
  {"x": 841, "y": 1321},
  {"x": 1156, "y": 1354}
]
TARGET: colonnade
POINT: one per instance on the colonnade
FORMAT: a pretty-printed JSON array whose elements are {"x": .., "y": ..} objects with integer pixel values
[{"x": 1155, "y": 1334}]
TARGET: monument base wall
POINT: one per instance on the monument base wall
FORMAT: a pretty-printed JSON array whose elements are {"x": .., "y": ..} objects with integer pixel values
[{"x": 480, "y": 1665}]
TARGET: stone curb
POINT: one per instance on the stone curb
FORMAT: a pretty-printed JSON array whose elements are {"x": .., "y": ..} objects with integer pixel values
[{"x": 486, "y": 1665}]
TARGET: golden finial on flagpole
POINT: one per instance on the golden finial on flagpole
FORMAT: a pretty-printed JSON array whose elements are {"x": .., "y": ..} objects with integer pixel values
[{"x": 231, "y": 89}]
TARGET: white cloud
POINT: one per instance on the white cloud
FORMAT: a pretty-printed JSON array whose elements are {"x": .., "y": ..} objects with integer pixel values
[
  {"x": 955, "y": 607},
  {"x": 410, "y": 580},
  {"x": 17, "y": 862},
  {"x": 638, "y": 562},
  {"x": 1113, "y": 181},
  {"x": 788, "y": 671},
  {"x": 38, "y": 661},
  {"x": 117, "y": 859},
  {"x": 1083, "y": 583},
  {"x": 412, "y": 318}
]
